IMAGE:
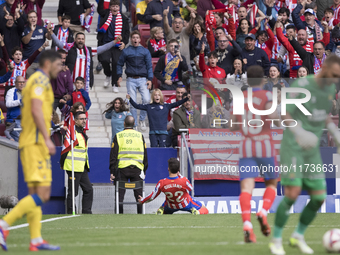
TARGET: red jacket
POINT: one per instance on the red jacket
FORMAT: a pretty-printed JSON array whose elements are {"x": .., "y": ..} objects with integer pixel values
[{"x": 211, "y": 72}]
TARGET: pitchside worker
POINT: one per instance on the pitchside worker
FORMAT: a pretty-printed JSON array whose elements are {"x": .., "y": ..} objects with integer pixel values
[
  {"x": 35, "y": 149},
  {"x": 128, "y": 159}
]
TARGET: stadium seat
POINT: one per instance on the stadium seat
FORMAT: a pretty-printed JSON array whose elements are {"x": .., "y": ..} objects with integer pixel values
[
  {"x": 2, "y": 93},
  {"x": 3, "y": 106},
  {"x": 168, "y": 93},
  {"x": 156, "y": 83},
  {"x": 2, "y": 129},
  {"x": 133, "y": 14},
  {"x": 145, "y": 34},
  {"x": 128, "y": 185}
]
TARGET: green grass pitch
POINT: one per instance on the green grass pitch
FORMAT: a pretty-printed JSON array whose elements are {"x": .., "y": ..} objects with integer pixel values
[{"x": 163, "y": 234}]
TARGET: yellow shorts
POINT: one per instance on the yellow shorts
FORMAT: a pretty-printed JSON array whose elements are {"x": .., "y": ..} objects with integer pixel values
[{"x": 36, "y": 165}]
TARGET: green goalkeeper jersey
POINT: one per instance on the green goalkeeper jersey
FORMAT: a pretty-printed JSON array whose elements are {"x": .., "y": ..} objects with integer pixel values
[{"x": 319, "y": 106}]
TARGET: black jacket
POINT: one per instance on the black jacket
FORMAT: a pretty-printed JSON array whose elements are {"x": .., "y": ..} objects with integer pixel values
[
  {"x": 227, "y": 56},
  {"x": 104, "y": 13},
  {"x": 182, "y": 67},
  {"x": 156, "y": 7},
  {"x": 70, "y": 7},
  {"x": 70, "y": 38},
  {"x": 12, "y": 35},
  {"x": 256, "y": 56},
  {"x": 306, "y": 57},
  {"x": 72, "y": 58},
  {"x": 114, "y": 157}
]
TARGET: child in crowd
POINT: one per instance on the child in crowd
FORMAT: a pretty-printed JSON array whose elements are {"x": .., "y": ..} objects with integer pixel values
[{"x": 158, "y": 116}]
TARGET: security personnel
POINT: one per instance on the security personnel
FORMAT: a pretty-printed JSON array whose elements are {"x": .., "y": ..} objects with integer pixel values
[
  {"x": 128, "y": 159},
  {"x": 81, "y": 167}
]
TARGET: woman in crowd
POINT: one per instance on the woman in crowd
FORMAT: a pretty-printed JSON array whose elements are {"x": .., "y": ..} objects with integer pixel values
[
  {"x": 302, "y": 72},
  {"x": 238, "y": 77},
  {"x": 274, "y": 78},
  {"x": 158, "y": 116},
  {"x": 157, "y": 44},
  {"x": 116, "y": 111},
  {"x": 197, "y": 39},
  {"x": 242, "y": 31}
]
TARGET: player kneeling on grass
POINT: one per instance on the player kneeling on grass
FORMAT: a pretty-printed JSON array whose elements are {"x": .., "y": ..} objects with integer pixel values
[
  {"x": 256, "y": 150},
  {"x": 176, "y": 190}
]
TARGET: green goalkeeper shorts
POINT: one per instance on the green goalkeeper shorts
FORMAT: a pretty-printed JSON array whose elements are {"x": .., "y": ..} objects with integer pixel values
[{"x": 302, "y": 168}]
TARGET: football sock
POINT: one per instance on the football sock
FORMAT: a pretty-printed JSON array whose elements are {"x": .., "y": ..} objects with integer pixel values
[
  {"x": 25, "y": 205},
  {"x": 203, "y": 210},
  {"x": 282, "y": 215},
  {"x": 309, "y": 212},
  {"x": 268, "y": 198},
  {"x": 245, "y": 198},
  {"x": 33, "y": 219}
]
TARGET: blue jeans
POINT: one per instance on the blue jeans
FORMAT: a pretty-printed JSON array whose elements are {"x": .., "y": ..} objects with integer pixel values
[
  {"x": 157, "y": 140},
  {"x": 132, "y": 85}
]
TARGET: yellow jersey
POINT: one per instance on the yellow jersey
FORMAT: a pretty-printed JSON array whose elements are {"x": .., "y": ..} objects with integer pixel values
[
  {"x": 140, "y": 9},
  {"x": 38, "y": 87}
]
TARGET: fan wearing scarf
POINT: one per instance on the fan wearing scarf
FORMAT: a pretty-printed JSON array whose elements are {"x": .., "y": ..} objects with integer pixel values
[
  {"x": 113, "y": 25},
  {"x": 169, "y": 67},
  {"x": 313, "y": 61}
]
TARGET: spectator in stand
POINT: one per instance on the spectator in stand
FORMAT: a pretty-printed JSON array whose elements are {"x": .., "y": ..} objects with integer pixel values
[
  {"x": 74, "y": 9},
  {"x": 156, "y": 43},
  {"x": 113, "y": 25},
  {"x": 11, "y": 27},
  {"x": 139, "y": 74},
  {"x": 155, "y": 11},
  {"x": 169, "y": 67},
  {"x": 20, "y": 67},
  {"x": 63, "y": 33},
  {"x": 116, "y": 111},
  {"x": 197, "y": 39},
  {"x": 227, "y": 53},
  {"x": 238, "y": 77},
  {"x": 185, "y": 117},
  {"x": 329, "y": 18},
  {"x": 242, "y": 32},
  {"x": 241, "y": 14},
  {"x": 283, "y": 16},
  {"x": 274, "y": 79},
  {"x": 140, "y": 11},
  {"x": 265, "y": 38},
  {"x": 203, "y": 6},
  {"x": 34, "y": 37},
  {"x": 311, "y": 24},
  {"x": 157, "y": 114},
  {"x": 78, "y": 52},
  {"x": 35, "y": 5},
  {"x": 278, "y": 108},
  {"x": 7, "y": 5},
  {"x": 313, "y": 61},
  {"x": 252, "y": 55},
  {"x": 302, "y": 72},
  {"x": 62, "y": 86},
  {"x": 13, "y": 104},
  {"x": 294, "y": 59},
  {"x": 178, "y": 32},
  {"x": 216, "y": 114}
]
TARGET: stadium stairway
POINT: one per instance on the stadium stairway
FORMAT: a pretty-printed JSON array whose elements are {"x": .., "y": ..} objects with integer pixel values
[{"x": 100, "y": 128}]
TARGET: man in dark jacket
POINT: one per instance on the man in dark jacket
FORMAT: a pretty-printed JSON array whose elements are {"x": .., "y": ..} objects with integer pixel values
[
  {"x": 112, "y": 25},
  {"x": 227, "y": 53},
  {"x": 252, "y": 55},
  {"x": 169, "y": 67},
  {"x": 139, "y": 74},
  {"x": 154, "y": 13},
  {"x": 313, "y": 61}
]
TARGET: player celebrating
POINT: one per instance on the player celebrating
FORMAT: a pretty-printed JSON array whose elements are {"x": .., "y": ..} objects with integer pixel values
[
  {"x": 35, "y": 149},
  {"x": 300, "y": 151},
  {"x": 176, "y": 189},
  {"x": 256, "y": 150}
]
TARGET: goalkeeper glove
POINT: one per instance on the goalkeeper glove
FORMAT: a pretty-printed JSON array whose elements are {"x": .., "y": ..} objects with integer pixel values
[{"x": 306, "y": 139}]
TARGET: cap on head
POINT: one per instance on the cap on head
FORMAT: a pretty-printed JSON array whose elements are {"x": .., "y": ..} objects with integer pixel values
[
  {"x": 250, "y": 36},
  {"x": 309, "y": 10}
]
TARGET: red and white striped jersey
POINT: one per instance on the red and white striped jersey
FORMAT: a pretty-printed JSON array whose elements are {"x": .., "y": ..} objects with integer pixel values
[
  {"x": 62, "y": 36},
  {"x": 257, "y": 139},
  {"x": 336, "y": 11},
  {"x": 291, "y": 4},
  {"x": 276, "y": 48},
  {"x": 176, "y": 190},
  {"x": 80, "y": 66},
  {"x": 19, "y": 70}
]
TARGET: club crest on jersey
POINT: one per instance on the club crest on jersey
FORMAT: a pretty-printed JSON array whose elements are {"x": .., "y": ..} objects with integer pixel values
[
  {"x": 40, "y": 31},
  {"x": 78, "y": 96},
  {"x": 161, "y": 107}
]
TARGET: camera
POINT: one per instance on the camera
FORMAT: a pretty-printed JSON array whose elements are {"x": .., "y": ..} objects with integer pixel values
[{"x": 176, "y": 48}]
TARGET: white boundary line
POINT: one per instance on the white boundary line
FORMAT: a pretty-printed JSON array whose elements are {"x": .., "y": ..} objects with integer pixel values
[{"x": 43, "y": 221}]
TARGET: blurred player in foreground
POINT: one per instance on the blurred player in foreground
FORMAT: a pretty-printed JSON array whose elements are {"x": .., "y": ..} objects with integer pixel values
[
  {"x": 300, "y": 151},
  {"x": 35, "y": 149},
  {"x": 176, "y": 190},
  {"x": 256, "y": 150}
]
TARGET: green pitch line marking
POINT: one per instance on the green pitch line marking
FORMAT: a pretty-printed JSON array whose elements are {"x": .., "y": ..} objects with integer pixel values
[{"x": 43, "y": 221}]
